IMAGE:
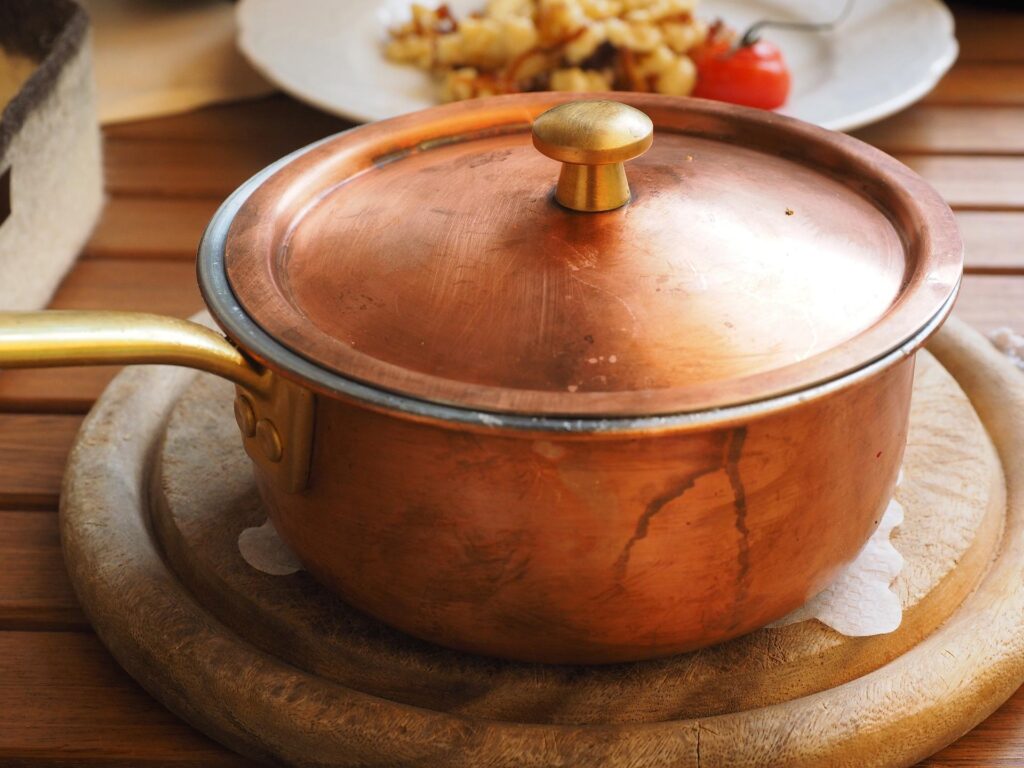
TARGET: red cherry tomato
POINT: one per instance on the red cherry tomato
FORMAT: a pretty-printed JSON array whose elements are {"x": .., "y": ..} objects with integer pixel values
[{"x": 754, "y": 76}]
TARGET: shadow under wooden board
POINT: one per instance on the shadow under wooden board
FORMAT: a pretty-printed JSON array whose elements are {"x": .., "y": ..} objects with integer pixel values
[{"x": 158, "y": 491}]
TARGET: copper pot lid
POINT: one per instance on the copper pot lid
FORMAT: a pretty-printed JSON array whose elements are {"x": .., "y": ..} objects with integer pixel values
[{"x": 756, "y": 255}]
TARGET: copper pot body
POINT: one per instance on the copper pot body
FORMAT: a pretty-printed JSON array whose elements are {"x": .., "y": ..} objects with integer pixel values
[
  {"x": 746, "y": 322},
  {"x": 588, "y": 548}
]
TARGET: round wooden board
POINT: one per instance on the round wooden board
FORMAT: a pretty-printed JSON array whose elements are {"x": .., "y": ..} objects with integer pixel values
[
  {"x": 204, "y": 497},
  {"x": 276, "y": 668}
]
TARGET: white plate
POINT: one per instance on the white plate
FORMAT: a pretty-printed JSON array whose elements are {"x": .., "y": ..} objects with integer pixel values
[{"x": 885, "y": 56}]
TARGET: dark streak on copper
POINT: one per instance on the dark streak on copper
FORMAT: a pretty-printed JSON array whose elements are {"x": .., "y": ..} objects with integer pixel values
[
  {"x": 732, "y": 471},
  {"x": 643, "y": 523}
]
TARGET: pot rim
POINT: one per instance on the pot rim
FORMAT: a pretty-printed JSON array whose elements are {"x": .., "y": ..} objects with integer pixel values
[{"x": 244, "y": 331}]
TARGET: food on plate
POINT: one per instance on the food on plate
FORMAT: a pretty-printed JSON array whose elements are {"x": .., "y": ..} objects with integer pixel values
[{"x": 655, "y": 46}]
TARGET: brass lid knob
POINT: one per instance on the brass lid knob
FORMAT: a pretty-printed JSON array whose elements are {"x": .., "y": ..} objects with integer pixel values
[{"x": 592, "y": 139}]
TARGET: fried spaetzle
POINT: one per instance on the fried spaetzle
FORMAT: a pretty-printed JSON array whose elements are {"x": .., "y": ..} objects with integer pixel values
[{"x": 560, "y": 45}]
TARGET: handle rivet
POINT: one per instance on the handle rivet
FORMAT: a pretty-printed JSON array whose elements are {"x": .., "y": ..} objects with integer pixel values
[
  {"x": 592, "y": 140},
  {"x": 269, "y": 440},
  {"x": 245, "y": 415}
]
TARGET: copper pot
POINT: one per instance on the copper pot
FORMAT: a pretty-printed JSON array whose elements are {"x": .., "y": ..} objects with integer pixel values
[{"x": 596, "y": 420}]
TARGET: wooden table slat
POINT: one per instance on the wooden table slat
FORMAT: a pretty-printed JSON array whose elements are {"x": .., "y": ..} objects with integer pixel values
[
  {"x": 993, "y": 242},
  {"x": 64, "y": 698},
  {"x": 988, "y": 33},
  {"x": 989, "y": 302},
  {"x": 151, "y": 228},
  {"x": 33, "y": 451},
  {"x": 974, "y": 183},
  {"x": 950, "y": 130},
  {"x": 57, "y": 390},
  {"x": 163, "y": 287},
  {"x": 980, "y": 84},
  {"x": 177, "y": 169},
  {"x": 35, "y": 592}
]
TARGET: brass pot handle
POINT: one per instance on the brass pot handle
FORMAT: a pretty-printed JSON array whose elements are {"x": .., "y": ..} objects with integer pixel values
[
  {"x": 274, "y": 414},
  {"x": 67, "y": 337},
  {"x": 592, "y": 140}
]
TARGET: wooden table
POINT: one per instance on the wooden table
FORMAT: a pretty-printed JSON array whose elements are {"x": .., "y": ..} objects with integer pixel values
[{"x": 63, "y": 700}]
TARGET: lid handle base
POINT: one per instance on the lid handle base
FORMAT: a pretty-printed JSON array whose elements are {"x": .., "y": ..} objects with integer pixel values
[{"x": 592, "y": 188}]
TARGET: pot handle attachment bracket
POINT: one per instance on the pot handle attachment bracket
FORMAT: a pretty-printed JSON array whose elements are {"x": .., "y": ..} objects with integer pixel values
[{"x": 277, "y": 430}]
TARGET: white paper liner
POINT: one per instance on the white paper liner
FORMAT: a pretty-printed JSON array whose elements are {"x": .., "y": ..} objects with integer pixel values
[{"x": 264, "y": 550}]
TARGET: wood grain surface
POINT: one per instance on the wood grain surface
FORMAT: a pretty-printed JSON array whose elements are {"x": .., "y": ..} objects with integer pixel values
[
  {"x": 35, "y": 593},
  {"x": 64, "y": 700}
]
